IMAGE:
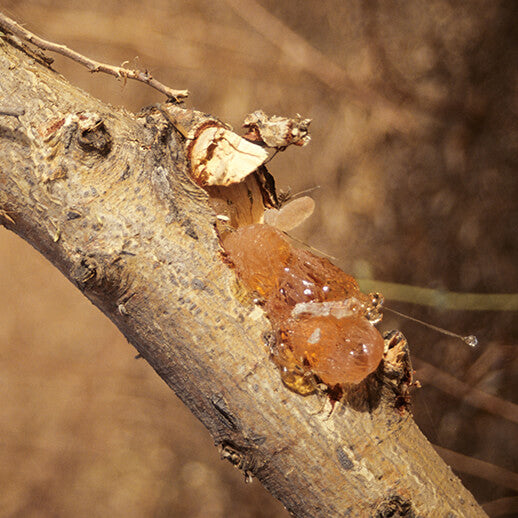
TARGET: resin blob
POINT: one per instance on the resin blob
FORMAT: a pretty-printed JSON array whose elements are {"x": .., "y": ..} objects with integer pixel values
[{"x": 317, "y": 311}]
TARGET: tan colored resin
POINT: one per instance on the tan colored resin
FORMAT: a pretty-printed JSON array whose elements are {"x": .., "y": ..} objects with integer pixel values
[{"x": 317, "y": 311}]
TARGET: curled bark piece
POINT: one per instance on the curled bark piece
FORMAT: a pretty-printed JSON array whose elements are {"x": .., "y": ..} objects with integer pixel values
[{"x": 275, "y": 131}]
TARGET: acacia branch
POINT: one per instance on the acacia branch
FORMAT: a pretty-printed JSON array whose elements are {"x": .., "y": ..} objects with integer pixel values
[
  {"x": 106, "y": 197},
  {"x": 12, "y": 27}
]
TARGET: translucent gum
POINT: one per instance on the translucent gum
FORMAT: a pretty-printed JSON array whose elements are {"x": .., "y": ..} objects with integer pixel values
[
  {"x": 318, "y": 312},
  {"x": 338, "y": 350}
]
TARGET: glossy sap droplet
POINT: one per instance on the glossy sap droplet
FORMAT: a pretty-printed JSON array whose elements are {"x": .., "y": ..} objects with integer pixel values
[
  {"x": 259, "y": 254},
  {"x": 470, "y": 340},
  {"x": 268, "y": 264},
  {"x": 344, "y": 350},
  {"x": 317, "y": 310}
]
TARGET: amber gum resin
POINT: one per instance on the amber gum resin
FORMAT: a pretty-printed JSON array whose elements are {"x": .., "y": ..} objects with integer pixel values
[{"x": 337, "y": 350}]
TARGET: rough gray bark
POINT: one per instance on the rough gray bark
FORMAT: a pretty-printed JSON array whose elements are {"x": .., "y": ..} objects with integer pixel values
[{"x": 106, "y": 197}]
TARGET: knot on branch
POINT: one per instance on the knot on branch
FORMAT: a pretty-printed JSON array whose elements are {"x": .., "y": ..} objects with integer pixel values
[
  {"x": 86, "y": 128},
  {"x": 242, "y": 458},
  {"x": 395, "y": 507},
  {"x": 102, "y": 275},
  {"x": 93, "y": 136}
]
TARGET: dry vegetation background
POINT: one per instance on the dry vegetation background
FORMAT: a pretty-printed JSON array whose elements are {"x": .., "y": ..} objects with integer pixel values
[{"x": 415, "y": 147}]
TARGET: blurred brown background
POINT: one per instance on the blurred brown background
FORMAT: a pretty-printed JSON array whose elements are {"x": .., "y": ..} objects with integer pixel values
[{"x": 415, "y": 147}]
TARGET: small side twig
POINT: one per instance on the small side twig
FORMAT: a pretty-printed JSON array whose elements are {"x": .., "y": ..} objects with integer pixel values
[{"x": 12, "y": 27}]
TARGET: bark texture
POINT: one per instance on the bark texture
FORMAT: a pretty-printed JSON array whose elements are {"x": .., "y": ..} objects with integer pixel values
[{"x": 106, "y": 197}]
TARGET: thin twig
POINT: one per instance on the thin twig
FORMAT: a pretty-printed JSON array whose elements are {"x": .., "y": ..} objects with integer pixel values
[
  {"x": 12, "y": 27},
  {"x": 451, "y": 385},
  {"x": 479, "y": 468}
]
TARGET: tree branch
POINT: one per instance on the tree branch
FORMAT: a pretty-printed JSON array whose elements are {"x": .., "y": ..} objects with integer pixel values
[
  {"x": 12, "y": 27},
  {"x": 106, "y": 197}
]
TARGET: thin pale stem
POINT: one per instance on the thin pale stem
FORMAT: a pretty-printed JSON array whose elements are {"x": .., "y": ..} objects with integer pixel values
[{"x": 12, "y": 27}]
